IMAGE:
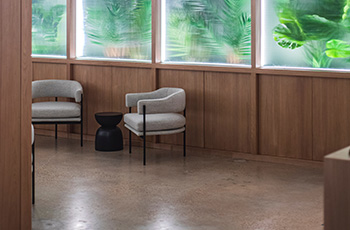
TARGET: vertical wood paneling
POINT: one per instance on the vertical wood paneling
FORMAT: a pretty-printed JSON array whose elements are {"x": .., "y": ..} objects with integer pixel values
[
  {"x": 10, "y": 126},
  {"x": 97, "y": 87},
  {"x": 129, "y": 80},
  {"x": 227, "y": 111},
  {"x": 193, "y": 83},
  {"x": 26, "y": 115},
  {"x": 47, "y": 71},
  {"x": 331, "y": 111},
  {"x": 336, "y": 187},
  {"x": 285, "y": 116},
  {"x": 14, "y": 114}
]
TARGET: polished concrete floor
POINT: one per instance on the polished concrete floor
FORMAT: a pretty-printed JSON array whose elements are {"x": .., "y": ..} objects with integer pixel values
[{"x": 80, "y": 188}]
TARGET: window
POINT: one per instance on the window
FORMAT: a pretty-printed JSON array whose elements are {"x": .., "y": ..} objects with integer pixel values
[
  {"x": 299, "y": 33},
  {"x": 49, "y": 27},
  {"x": 119, "y": 29},
  {"x": 206, "y": 31}
]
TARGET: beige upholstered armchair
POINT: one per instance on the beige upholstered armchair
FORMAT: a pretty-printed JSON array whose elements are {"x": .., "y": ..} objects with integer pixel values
[
  {"x": 157, "y": 114},
  {"x": 58, "y": 112}
]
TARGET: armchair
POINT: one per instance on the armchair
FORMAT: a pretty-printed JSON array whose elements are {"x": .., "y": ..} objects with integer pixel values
[
  {"x": 58, "y": 112},
  {"x": 157, "y": 114}
]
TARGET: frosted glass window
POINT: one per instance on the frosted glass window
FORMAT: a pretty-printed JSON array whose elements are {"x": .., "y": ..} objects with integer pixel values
[
  {"x": 206, "y": 31},
  {"x": 49, "y": 27},
  {"x": 312, "y": 33},
  {"x": 118, "y": 29}
]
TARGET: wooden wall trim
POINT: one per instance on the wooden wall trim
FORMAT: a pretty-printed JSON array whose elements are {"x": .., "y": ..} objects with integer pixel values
[{"x": 302, "y": 72}]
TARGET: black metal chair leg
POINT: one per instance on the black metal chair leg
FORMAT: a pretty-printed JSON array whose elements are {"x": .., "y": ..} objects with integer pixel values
[
  {"x": 184, "y": 143},
  {"x": 81, "y": 120},
  {"x": 129, "y": 141},
  {"x": 81, "y": 134},
  {"x": 129, "y": 135},
  {"x": 33, "y": 174},
  {"x": 56, "y": 131},
  {"x": 144, "y": 135}
]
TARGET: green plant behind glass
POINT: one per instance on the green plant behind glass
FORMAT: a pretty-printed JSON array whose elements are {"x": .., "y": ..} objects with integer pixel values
[
  {"x": 48, "y": 29},
  {"x": 236, "y": 34},
  {"x": 319, "y": 27},
  {"x": 210, "y": 31},
  {"x": 188, "y": 35},
  {"x": 121, "y": 27}
]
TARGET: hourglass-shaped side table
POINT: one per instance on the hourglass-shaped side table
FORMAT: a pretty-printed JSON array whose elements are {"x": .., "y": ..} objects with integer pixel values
[{"x": 109, "y": 137}]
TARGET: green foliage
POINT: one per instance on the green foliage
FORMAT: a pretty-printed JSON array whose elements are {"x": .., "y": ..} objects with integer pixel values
[
  {"x": 188, "y": 34},
  {"x": 236, "y": 28},
  {"x": 210, "y": 31},
  {"x": 306, "y": 24},
  {"x": 48, "y": 29},
  {"x": 316, "y": 56},
  {"x": 338, "y": 49},
  {"x": 123, "y": 25}
]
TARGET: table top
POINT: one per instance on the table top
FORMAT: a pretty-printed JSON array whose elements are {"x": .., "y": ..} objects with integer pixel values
[
  {"x": 109, "y": 114},
  {"x": 108, "y": 118}
]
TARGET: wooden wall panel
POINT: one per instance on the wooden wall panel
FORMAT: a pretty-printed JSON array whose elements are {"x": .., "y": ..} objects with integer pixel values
[
  {"x": 336, "y": 187},
  {"x": 47, "y": 71},
  {"x": 26, "y": 115},
  {"x": 129, "y": 80},
  {"x": 227, "y": 111},
  {"x": 97, "y": 87},
  {"x": 331, "y": 112},
  {"x": 193, "y": 83},
  {"x": 15, "y": 78},
  {"x": 10, "y": 112},
  {"x": 285, "y": 121}
]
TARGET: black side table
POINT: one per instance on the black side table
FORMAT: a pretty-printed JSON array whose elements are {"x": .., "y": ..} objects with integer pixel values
[{"x": 109, "y": 137}]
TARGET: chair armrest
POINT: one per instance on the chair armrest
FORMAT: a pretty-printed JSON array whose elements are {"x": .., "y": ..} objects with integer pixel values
[
  {"x": 170, "y": 104},
  {"x": 78, "y": 94},
  {"x": 131, "y": 99}
]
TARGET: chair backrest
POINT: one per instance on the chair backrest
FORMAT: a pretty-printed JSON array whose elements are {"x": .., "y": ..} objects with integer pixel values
[
  {"x": 177, "y": 97},
  {"x": 57, "y": 88}
]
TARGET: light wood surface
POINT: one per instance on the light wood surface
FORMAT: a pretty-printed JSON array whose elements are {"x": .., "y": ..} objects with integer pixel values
[
  {"x": 15, "y": 132},
  {"x": 156, "y": 31},
  {"x": 336, "y": 191},
  {"x": 193, "y": 84},
  {"x": 26, "y": 115},
  {"x": 285, "y": 122},
  {"x": 96, "y": 82},
  {"x": 227, "y": 111},
  {"x": 331, "y": 112},
  {"x": 10, "y": 112}
]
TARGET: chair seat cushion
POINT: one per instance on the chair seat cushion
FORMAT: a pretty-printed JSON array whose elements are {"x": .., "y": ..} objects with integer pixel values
[
  {"x": 155, "y": 122},
  {"x": 55, "y": 109}
]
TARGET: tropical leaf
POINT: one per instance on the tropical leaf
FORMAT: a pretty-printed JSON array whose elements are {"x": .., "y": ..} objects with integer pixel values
[
  {"x": 338, "y": 49},
  {"x": 319, "y": 28},
  {"x": 289, "y": 34}
]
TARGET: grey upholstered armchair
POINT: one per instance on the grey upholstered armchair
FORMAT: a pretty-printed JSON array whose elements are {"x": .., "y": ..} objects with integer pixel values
[
  {"x": 157, "y": 114},
  {"x": 58, "y": 112}
]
